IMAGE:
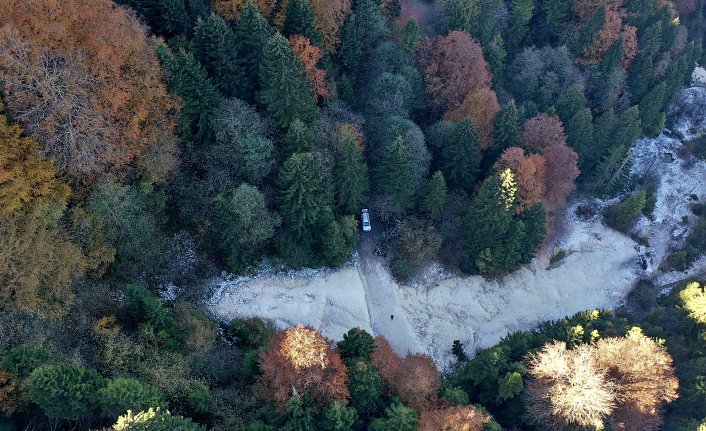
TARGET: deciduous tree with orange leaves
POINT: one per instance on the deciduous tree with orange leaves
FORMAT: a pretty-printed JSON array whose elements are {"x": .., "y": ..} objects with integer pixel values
[
  {"x": 310, "y": 56},
  {"x": 83, "y": 78},
  {"x": 453, "y": 67},
  {"x": 482, "y": 107},
  {"x": 544, "y": 134},
  {"x": 530, "y": 172},
  {"x": 300, "y": 359}
]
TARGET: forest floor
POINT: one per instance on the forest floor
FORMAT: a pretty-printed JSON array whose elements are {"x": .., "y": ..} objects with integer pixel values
[{"x": 599, "y": 270}]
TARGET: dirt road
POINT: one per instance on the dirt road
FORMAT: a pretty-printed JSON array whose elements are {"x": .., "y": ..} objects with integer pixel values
[{"x": 383, "y": 301}]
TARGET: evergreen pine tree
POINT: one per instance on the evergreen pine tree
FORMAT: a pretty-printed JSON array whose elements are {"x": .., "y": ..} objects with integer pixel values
[
  {"x": 214, "y": 43},
  {"x": 189, "y": 80},
  {"x": 302, "y": 194},
  {"x": 394, "y": 176},
  {"x": 334, "y": 249},
  {"x": 338, "y": 417},
  {"x": 350, "y": 53},
  {"x": 298, "y": 138},
  {"x": 409, "y": 39},
  {"x": 464, "y": 12},
  {"x": 651, "y": 109},
  {"x": 535, "y": 220},
  {"x": 627, "y": 129},
  {"x": 351, "y": 178},
  {"x": 570, "y": 103},
  {"x": 579, "y": 134},
  {"x": 285, "y": 91},
  {"x": 553, "y": 14},
  {"x": 461, "y": 157},
  {"x": 603, "y": 129},
  {"x": 251, "y": 34},
  {"x": 299, "y": 19},
  {"x": 521, "y": 12},
  {"x": 506, "y": 133},
  {"x": 488, "y": 221},
  {"x": 398, "y": 417},
  {"x": 435, "y": 198},
  {"x": 495, "y": 55}
]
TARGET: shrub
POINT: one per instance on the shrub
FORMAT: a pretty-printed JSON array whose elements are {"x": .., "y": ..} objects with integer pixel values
[
  {"x": 65, "y": 391},
  {"x": 121, "y": 395},
  {"x": 621, "y": 216}
]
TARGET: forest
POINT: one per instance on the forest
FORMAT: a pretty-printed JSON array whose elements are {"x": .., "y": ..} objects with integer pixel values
[{"x": 147, "y": 145}]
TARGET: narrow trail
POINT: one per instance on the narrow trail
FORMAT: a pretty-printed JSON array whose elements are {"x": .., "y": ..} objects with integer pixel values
[{"x": 383, "y": 301}]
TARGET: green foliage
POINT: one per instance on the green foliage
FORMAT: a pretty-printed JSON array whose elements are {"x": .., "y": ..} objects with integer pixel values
[
  {"x": 590, "y": 28},
  {"x": 579, "y": 134},
  {"x": 302, "y": 194},
  {"x": 189, "y": 80},
  {"x": 298, "y": 138},
  {"x": 651, "y": 113},
  {"x": 614, "y": 138},
  {"x": 213, "y": 45},
  {"x": 336, "y": 244},
  {"x": 455, "y": 395},
  {"x": 416, "y": 245},
  {"x": 252, "y": 33},
  {"x": 409, "y": 39},
  {"x": 350, "y": 52},
  {"x": 299, "y": 20},
  {"x": 506, "y": 132},
  {"x": 152, "y": 318},
  {"x": 20, "y": 361},
  {"x": 620, "y": 216},
  {"x": 285, "y": 91},
  {"x": 356, "y": 344},
  {"x": 365, "y": 385},
  {"x": 457, "y": 350},
  {"x": 394, "y": 177},
  {"x": 398, "y": 417},
  {"x": 65, "y": 391},
  {"x": 244, "y": 225},
  {"x": 122, "y": 394},
  {"x": 199, "y": 400},
  {"x": 155, "y": 420},
  {"x": 553, "y": 14},
  {"x": 521, "y": 12},
  {"x": 243, "y": 150},
  {"x": 435, "y": 197},
  {"x": 338, "y": 417},
  {"x": 251, "y": 333},
  {"x": 250, "y": 367},
  {"x": 351, "y": 176},
  {"x": 510, "y": 385},
  {"x": 461, "y": 156},
  {"x": 495, "y": 55},
  {"x": 300, "y": 415}
]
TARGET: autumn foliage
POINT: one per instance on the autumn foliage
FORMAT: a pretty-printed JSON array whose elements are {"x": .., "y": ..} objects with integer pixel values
[
  {"x": 415, "y": 378},
  {"x": 624, "y": 381},
  {"x": 530, "y": 172},
  {"x": 612, "y": 29},
  {"x": 310, "y": 56},
  {"x": 301, "y": 359},
  {"x": 467, "y": 418},
  {"x": 453, "y": 67},
  {"x": 482, "y": 107},
  {"x": 544, "y": 134},
  {"x": 82, "y": 77}
]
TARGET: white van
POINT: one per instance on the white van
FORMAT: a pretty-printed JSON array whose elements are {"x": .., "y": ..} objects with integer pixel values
[{"x": 365, "y": 217}]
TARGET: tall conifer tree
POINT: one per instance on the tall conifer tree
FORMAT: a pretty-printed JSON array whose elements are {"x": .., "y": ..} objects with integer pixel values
[
  {"x": 251, "y": 34},
  {"x": 461, "y": 156},
  {"x": 214, "y": 43},
  {"x": 285, "y": 92}
]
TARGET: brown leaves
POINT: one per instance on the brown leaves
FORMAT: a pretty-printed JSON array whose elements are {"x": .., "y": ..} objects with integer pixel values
[
  {"x": 415, "y": 378},
  {"x": 9, "y": 395},
  {"x": 453, "y": 67},
  {"x": 310, "y": 56},
  {"x": 301, "y": 359},
  {"x": 545, "y": 134},
  {"x": 482, "y": 107},
  {"x": 83, "y": 78},
  {"x": 466, "y": 418},
  {"x": 530, "y": 172}
]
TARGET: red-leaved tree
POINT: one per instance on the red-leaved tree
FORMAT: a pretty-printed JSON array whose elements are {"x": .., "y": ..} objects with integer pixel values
[
  {"x": 310, "y": 56},
  {"x": 453, "y": 66},
  {"x": 530, "y": 173},
  {"x": 482, "y": 107},
  {"x": 300, "y": 359}
]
